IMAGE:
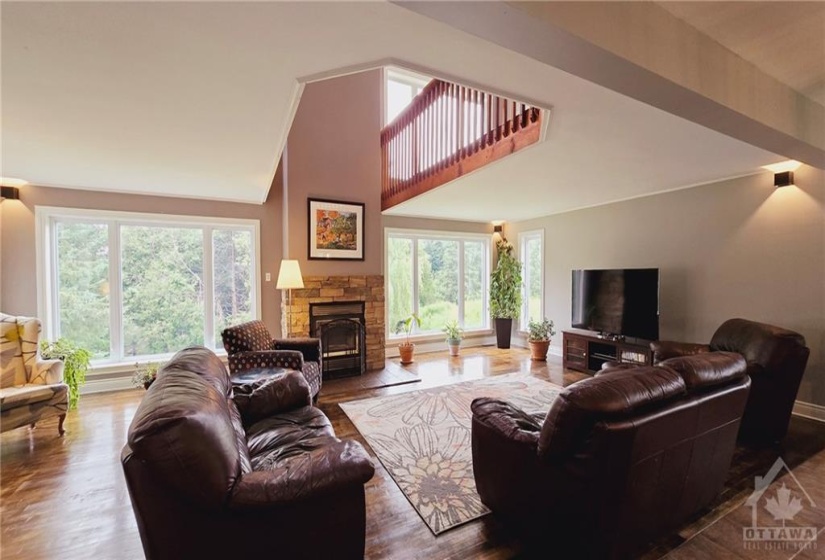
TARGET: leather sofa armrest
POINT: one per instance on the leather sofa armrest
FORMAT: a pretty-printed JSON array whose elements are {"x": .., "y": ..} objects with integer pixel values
[
  {"x": 281, "y": 392},
  {"x": 307, "y": 475},
  {"x": 289, "y": 359},
  {"x": 506, "y": 421},
  {"x": 666, "y": 349},
  {"x": 47, "y": 372},
  {"x": 309, "y": 347}
]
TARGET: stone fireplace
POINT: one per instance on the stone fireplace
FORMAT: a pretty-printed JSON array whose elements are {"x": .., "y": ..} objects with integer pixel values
[{"x": 343, "y": 289}]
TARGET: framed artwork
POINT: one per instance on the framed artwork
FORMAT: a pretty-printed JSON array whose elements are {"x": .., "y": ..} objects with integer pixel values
[{"x": 336, "y": 230}]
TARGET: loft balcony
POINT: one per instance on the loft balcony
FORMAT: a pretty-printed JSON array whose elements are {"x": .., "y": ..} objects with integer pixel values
[{"x": 447, "y": 131}]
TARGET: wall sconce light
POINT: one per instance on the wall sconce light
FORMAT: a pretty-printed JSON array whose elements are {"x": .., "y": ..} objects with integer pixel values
[
  {"x": 498, "y": 228},
  {"x": 784, "y": 179},
  {"x": 12, "y": 193}
]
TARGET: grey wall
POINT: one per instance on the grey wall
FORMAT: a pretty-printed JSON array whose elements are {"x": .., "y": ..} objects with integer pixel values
[{"x": 736, "y": 248}]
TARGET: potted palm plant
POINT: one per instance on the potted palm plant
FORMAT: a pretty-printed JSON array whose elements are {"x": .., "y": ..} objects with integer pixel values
[
  {"x": 539, "y": 335},
  {"x": 505, "y": 292},
  {"x": 454, "y": 335},
  {"x": 406, "y": 349}
]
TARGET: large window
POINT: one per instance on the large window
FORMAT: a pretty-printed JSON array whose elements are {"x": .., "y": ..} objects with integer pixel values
[
  {"x": 133, "y": 287},
  {"x": 531, "y": 251},
  {"x": 439, "y": 276},
  {"x": 400, "y": 89}
]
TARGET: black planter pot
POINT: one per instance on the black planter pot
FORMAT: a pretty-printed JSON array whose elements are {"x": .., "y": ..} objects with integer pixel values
[{"x": 504, "y": 328}]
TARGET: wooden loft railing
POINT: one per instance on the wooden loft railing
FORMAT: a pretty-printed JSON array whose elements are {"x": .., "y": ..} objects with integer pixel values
[{"x": 448, "y": 131}]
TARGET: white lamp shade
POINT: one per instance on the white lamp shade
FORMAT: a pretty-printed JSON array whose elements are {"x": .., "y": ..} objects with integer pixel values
[{"x": 289, "y": 276}]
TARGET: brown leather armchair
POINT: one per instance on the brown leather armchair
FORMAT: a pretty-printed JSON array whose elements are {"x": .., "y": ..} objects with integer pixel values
[
  {"x": 254, "y": 475},
  {"x": 776, "y": 362},
  {"x": 620, "y": 459},
  {"x": 249, "y": 345}
]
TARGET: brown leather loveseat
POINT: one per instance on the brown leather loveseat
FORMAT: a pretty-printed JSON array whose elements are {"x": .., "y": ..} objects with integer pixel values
[
  {"x": 258, "y": 474},
  {"x": 620, "y": 459},
  {"x": 776, "y": 362}
]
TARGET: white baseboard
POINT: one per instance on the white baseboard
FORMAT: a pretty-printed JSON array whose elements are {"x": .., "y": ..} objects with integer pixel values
[
  {"x": 809, "y": 410},
  {"x": 423, "y": 347},
  {"x": 107, "y": 385}
]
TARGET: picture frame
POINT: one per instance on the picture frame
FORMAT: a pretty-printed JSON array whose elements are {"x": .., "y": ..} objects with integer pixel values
[{"x": 335, "y": 230}]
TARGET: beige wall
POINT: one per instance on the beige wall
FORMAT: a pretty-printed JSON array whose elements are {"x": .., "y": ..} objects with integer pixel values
[
  {"x": 737, "y": 248},
  {"x": 403, "y": 222},
  {"x": 18, "y": 264},
  {"x": 334, "y": 153}
]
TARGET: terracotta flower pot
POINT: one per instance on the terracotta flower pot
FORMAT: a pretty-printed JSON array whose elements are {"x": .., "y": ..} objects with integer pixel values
[
  {"x": 406, "y": 351},
  {"x": 538, "y": 350},
  {"x": 454, "y": 347}
]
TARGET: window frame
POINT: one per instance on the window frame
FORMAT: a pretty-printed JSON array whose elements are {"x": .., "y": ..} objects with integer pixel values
[
  {"x": 523, "y": 238},
  {"x": 46, "y": 217},
  {"x": 435, "y": 235}
]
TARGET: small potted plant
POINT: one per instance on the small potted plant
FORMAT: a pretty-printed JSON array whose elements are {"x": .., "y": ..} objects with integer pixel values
[
  {"x": 145, "y": 374},
  {"x": 407, "y": 348},
  {"x": 454, "y": 335},
  {"x": 75, "y": 360},
  {"x": 539, "y": 335}
]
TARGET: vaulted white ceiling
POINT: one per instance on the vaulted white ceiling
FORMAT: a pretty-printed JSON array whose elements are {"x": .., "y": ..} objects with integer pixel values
[{"x": 196, "y": 99}]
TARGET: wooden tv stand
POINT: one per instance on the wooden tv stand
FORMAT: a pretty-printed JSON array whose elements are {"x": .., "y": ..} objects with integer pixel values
[{"x": 584, "y": 351}]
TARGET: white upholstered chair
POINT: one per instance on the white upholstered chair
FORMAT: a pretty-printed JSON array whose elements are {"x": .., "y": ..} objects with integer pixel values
[{"x": 31, "y": 389}]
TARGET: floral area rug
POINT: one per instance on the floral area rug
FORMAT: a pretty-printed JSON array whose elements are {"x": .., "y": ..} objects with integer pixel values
[{"x": 423, "y": 440}]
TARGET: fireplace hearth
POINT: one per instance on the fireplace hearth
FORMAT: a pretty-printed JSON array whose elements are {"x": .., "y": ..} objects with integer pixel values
[{"x": 341, "y": 328}]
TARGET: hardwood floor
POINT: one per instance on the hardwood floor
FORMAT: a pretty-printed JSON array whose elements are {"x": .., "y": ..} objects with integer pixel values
[{"x": 66, "y": 497}]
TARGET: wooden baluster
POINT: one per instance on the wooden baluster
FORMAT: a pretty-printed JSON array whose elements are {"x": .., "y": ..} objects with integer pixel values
[
  {"x": 454, "y": 141},
  {"x": 473, "y": 120},
  {"x": 523, "y": 115},
  {"x": 488, "y": 127},
  {"x": 459, "y": 128},
  {"x": 448, "y": 125},
  {"x": 516, "y": 118},
  {"x": 427, "y": 137},
  {"x": 496, "y": 132},
  {"x": 407, "y": 149},
  {"x": 480, "y": 121},
  {"x": 439, "y": 123},
  {"x": 482, "y": 118},
  {"x": 384, "y": 177}
]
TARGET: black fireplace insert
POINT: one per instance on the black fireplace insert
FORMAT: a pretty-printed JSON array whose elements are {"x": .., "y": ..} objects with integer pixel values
[{"x": 341, "y": 328}]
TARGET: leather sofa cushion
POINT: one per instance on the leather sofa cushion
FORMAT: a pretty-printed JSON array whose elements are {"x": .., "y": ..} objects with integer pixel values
[
  {"x": 186, "y": 431},
  {"x": 766, "y": 345},
  {"x": 606, "y": 397},
  {"x": 276, "y": 435},
  {"x": 709, "y": 369},
  {"x": 281, "y": 391}
]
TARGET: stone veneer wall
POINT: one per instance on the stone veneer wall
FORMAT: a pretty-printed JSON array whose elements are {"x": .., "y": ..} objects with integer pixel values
[{"x": 369, "y": 289}]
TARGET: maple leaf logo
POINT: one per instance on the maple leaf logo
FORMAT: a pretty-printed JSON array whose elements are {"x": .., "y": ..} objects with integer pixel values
[{"x": 783, "y": 507}]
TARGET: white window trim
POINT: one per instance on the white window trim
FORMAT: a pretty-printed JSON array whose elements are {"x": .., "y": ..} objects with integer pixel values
[
  {"x": 47, "y": 296},
  {"x": 417, "y": 234},
  {"x": 523, "y": 238}
]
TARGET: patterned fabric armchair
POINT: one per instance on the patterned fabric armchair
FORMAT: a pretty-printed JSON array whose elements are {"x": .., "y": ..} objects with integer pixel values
[
  {"x": 250, "y": 346},
  {"x": 30, "y": 388}
]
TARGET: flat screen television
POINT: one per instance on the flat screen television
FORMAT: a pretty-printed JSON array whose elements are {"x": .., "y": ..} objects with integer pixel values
[{"x": 621, "y": 302}]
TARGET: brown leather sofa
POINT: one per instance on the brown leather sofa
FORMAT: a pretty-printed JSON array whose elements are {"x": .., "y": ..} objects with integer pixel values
[
  {"x": 776, "y": 362},
  {"x": 619, "y": 460},
  {"x": 257, "y": 474}
]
